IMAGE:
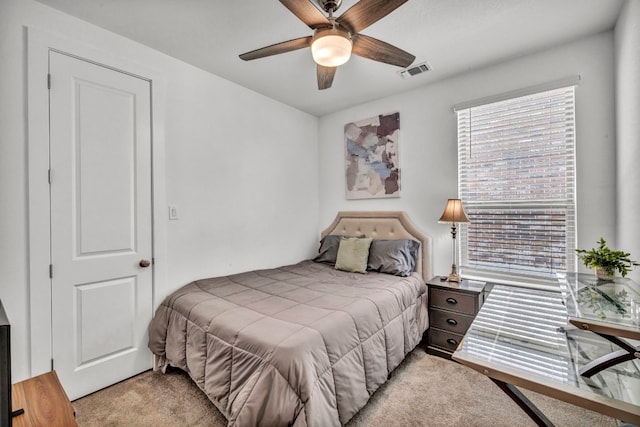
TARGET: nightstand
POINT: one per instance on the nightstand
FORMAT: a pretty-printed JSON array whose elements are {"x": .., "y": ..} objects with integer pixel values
[{"x": 452, "y": 308}]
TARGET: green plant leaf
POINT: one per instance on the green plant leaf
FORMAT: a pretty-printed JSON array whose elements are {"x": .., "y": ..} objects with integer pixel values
[{"x": 607, "y": 259}]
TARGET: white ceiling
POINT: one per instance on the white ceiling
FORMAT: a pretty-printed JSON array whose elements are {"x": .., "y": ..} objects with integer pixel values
[{"x": 452, "y": 36}]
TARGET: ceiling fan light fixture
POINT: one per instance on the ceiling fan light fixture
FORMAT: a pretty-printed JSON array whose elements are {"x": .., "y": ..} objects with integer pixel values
[{"x": 331, "y": 47}]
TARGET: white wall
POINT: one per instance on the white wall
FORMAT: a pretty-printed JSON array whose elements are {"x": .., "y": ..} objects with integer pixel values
[
  {"x": 428, "y": 152},
  {"x": 627, "y": 42},
  {"x": 242, "y": 170},
  {"x": 240, "y": 167}
]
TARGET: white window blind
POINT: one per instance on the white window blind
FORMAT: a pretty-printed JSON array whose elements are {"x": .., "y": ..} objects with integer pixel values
[{"x": 516, "y": 165}]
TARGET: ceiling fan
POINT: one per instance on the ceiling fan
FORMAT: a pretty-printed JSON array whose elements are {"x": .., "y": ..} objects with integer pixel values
[{"x": 335, "y": 39}]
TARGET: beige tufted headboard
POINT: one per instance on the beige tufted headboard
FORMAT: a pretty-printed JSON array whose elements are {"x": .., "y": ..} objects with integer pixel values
[{"x": 389, "y": 225}]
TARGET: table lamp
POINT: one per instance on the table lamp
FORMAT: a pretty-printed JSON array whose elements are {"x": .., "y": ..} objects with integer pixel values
[{"x": 453, "y": 213}]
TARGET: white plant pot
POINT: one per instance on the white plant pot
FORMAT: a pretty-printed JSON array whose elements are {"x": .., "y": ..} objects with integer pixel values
[{"x": 601, "y": 274}]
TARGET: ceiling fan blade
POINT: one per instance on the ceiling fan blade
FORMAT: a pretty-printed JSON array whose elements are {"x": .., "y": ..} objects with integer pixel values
[
  {"x": 278, "y": 48},
  {"x": 371, "y": 48},
  {"x": 325, "y": 76},
  {"x": 306, "y": 12},
  {"x": 366, "y": 12}
]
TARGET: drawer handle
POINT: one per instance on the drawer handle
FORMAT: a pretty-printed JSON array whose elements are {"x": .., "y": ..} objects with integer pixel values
[
  {"x": 451, "y": 341},
  {"x": 452, "y": 322},
  {"x": 452, "y": 300}
]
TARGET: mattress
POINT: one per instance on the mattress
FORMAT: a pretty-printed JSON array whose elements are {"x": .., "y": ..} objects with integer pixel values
[{"x": 301, "y": 345}]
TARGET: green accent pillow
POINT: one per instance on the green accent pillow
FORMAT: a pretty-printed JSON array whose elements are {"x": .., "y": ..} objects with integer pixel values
[{"x": 353, "y": 254}]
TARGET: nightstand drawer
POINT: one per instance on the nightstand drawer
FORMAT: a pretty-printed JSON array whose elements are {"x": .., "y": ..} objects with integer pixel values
[
  {"x": 452, "y": 307},
  {"x": 452, "y": 300},
  {"x": 443, "y": 339},
  {"x": 449, "y": 321}
]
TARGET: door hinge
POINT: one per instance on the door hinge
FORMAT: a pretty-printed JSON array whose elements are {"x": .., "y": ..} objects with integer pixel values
[
  {"x": 52, "y": 364},
  {"x": 50, "y": 271},
  {"x": 49, "y": 176},
  {"x": 48, "y": 80}
]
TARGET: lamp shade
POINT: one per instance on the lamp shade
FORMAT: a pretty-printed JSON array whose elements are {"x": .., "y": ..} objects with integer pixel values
[
  {"x": 453, "y": 212},
  {"x": 331, "y": 47}
]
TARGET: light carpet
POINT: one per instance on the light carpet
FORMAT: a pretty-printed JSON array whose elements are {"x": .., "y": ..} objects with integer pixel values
[{"x": 424, "y": 390}]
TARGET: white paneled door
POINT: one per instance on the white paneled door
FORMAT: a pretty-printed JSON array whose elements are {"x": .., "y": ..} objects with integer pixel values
[{"x": 101, "y": 231}]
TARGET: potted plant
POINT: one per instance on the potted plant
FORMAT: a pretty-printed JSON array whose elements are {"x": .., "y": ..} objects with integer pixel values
[{"x": 606, "y": 261}]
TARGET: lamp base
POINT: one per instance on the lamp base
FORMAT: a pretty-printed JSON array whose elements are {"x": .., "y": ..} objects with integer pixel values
[{"x": 453, "y": 277}]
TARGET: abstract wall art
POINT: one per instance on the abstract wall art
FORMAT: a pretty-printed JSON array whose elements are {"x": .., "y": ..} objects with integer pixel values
[{"x": 372, "y": 167}]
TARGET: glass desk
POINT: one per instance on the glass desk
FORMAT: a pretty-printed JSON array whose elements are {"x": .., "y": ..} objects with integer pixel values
[
  {"x": 521, "y": 338},
  {"x": 607, "y": 308}
]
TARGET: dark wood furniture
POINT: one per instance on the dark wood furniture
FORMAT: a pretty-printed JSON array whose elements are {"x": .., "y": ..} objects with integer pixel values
[
  {"x": 44, "y": 402},
  {"x": 452, "y": 308}
]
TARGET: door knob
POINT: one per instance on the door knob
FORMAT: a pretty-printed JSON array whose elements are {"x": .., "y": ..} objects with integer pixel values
[{"x": 145, "y": 263}]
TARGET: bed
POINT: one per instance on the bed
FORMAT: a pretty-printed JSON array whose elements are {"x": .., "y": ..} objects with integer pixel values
[{"x": 305, "y": 344}]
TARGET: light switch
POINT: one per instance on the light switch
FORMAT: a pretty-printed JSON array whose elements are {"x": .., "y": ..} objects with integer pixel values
[{"x": 173, "y": 212}]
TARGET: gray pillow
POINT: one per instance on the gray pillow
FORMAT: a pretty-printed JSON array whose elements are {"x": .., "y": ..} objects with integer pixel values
[
  {"x": 353, "y": 254},
  {"x": 328, "y": 249},
  {"x": 397, "y": 257}
]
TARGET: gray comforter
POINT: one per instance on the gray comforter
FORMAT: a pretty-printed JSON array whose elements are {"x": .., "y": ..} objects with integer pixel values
[{"x": 302, "y": 345}]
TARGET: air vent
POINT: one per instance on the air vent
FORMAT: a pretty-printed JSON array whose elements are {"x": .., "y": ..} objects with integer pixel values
[{"x": 414, "y": 71}]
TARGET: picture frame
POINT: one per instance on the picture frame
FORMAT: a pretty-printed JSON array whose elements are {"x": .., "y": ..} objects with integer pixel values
[{"x": 372, "y": 164}]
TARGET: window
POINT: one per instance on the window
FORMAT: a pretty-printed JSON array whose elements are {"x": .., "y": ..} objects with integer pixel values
[{"x": 516, "y": 165}]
